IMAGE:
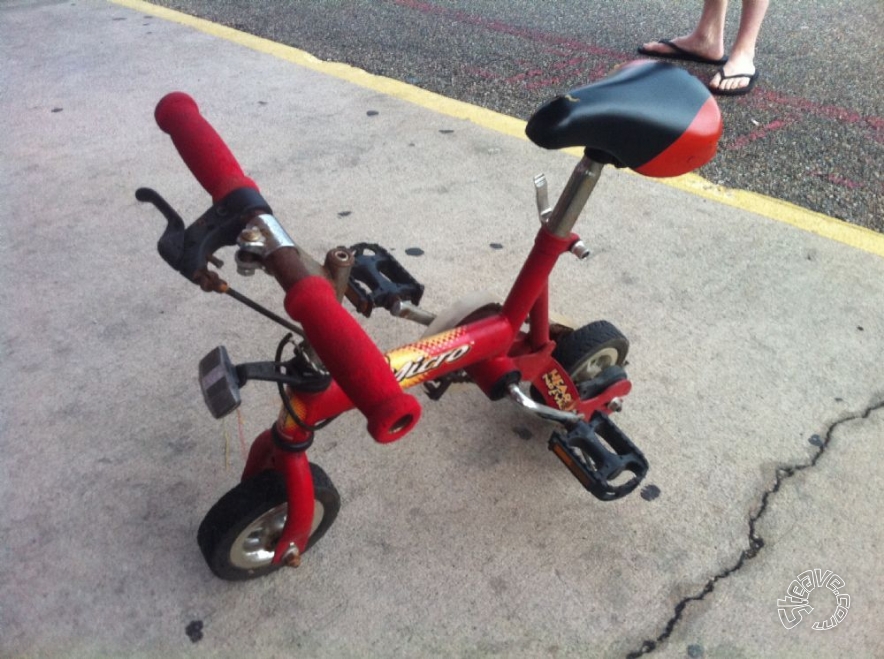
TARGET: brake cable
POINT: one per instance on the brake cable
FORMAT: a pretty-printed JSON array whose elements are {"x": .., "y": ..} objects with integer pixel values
[
  {"x": 285, "y": 399},
  {"x": 254, "y": 306}
]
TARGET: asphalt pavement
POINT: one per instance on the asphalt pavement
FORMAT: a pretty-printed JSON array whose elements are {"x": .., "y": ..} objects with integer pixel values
[
  {"x": 756, "y": 358},
  {"x": 811, "y": 134}
]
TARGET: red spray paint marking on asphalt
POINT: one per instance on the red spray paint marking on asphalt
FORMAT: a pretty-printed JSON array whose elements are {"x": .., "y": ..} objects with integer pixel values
[
  {"x": 573, "y": 45},
  {"x": 534, "y": 78},
  {"x": 842, "y": 115},
  {"x": 555, "y": 74},
  {"x": 761, "y": 132},
  {"x": 837, "y": 180},
  {"x": 542, "y": 38}
]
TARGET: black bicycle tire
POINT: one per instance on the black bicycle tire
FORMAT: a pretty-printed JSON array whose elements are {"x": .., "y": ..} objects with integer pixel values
[
  {"x": 246, "y": 503},
  {"x": 575, "y": 346}
]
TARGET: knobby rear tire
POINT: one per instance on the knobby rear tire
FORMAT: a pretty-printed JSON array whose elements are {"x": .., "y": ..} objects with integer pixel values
[{"x": 587, "y": 351}]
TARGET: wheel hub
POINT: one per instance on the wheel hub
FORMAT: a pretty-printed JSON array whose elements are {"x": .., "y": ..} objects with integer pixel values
[{"x": 255, "y": 546}]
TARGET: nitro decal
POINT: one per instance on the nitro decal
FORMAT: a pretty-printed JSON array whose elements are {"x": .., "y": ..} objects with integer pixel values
[
  {"x": 416, "y": 363},
  {"x": 413, "y": 369},
  {"x": 558, "y": 390}
]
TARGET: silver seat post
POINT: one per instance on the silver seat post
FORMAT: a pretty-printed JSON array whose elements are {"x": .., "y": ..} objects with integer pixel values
[{"x": 574, "y": 197}]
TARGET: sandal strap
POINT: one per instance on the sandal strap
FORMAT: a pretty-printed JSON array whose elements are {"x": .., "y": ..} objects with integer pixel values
[{"x": 736, "y": 75}]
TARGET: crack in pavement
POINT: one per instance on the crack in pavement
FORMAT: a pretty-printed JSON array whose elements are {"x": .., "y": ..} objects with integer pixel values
[{"x": 756, "y": 542}]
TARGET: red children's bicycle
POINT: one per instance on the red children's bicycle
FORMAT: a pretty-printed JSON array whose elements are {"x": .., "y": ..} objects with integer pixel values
[{"x": 651, "y": 117}]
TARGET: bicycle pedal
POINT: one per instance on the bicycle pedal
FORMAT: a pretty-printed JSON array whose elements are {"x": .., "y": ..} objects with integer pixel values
[
  {"x": 379, "y": 280},
  {"x": 600, "y": 456}
]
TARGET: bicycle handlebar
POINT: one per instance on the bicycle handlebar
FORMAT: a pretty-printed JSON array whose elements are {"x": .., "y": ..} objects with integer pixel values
[
  {"x": 201, "y": 148},
  {"x": 351, "y": 357}
]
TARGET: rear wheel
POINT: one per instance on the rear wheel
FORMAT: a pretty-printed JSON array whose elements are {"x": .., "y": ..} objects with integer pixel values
[
  {"x": 239, "y": 534},
  {"x": 586, "y": 352}
]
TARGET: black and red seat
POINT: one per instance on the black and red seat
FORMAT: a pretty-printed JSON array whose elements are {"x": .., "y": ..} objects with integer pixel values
[{"x": 652, "y": 117}]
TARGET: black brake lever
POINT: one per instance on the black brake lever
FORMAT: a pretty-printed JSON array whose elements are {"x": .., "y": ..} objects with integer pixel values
[
  {"x": 189, "y": 250},
  {"x": 171, "y": 243}
]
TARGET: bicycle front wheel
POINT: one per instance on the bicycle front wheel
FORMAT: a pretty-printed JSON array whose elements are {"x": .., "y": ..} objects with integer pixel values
[{"x": 238, "y": 536}]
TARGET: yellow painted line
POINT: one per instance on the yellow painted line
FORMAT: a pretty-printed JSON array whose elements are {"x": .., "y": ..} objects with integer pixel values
[
  {"x": 775, "y": 209},
  {"x": 783, "y": 211}
]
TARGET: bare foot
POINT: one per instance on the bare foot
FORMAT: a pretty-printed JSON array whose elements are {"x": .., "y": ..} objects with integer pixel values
[{"x": 741, "y": 66}]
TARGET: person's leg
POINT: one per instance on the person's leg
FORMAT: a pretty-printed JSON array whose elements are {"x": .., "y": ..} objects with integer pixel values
[
  {"x": 707, "y": 39},
  {"x": 742, "y": 57}
]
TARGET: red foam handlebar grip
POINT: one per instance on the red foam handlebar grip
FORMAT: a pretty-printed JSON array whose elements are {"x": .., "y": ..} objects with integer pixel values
[
  {"x": 352, "y": 359},
  {"x": 201, "y": 148}
]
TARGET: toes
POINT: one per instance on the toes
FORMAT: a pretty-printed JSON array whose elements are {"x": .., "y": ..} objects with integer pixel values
[
  {"x": 657, "y": 47},
  {"x": 717, "y": 82},
  {"x": 661, "y": 48}
]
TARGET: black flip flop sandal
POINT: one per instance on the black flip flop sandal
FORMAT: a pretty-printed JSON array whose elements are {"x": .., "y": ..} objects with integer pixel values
[
  {"x": 681, "y": 54},
  {"x": 739, "y": 91}
]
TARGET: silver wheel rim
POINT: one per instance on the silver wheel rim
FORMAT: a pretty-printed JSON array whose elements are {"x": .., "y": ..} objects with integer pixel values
[
  {"x": 255, "y": 546},
  {"x": 595, "y": 364}
]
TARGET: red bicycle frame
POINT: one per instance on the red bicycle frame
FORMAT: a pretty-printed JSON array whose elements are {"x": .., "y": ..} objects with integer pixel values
[
  {"x": 502, "y": 348},
  {"x": 493, "y": 350}
]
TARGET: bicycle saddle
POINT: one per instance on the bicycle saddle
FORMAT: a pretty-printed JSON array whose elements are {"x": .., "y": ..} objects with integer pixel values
[{"x": 652, "y": 117}]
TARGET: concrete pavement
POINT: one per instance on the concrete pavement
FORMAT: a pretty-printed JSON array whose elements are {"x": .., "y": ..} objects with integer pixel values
[{"x": 756, "y": 357}]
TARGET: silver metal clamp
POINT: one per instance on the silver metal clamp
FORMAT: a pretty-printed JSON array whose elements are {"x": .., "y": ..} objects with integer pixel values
[{"x": 262, "y": 236}]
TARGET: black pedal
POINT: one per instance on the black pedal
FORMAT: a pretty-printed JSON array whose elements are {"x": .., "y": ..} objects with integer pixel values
[
  {"x": 379, "y": 280},
  {"x": 598, "y": 453}
]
